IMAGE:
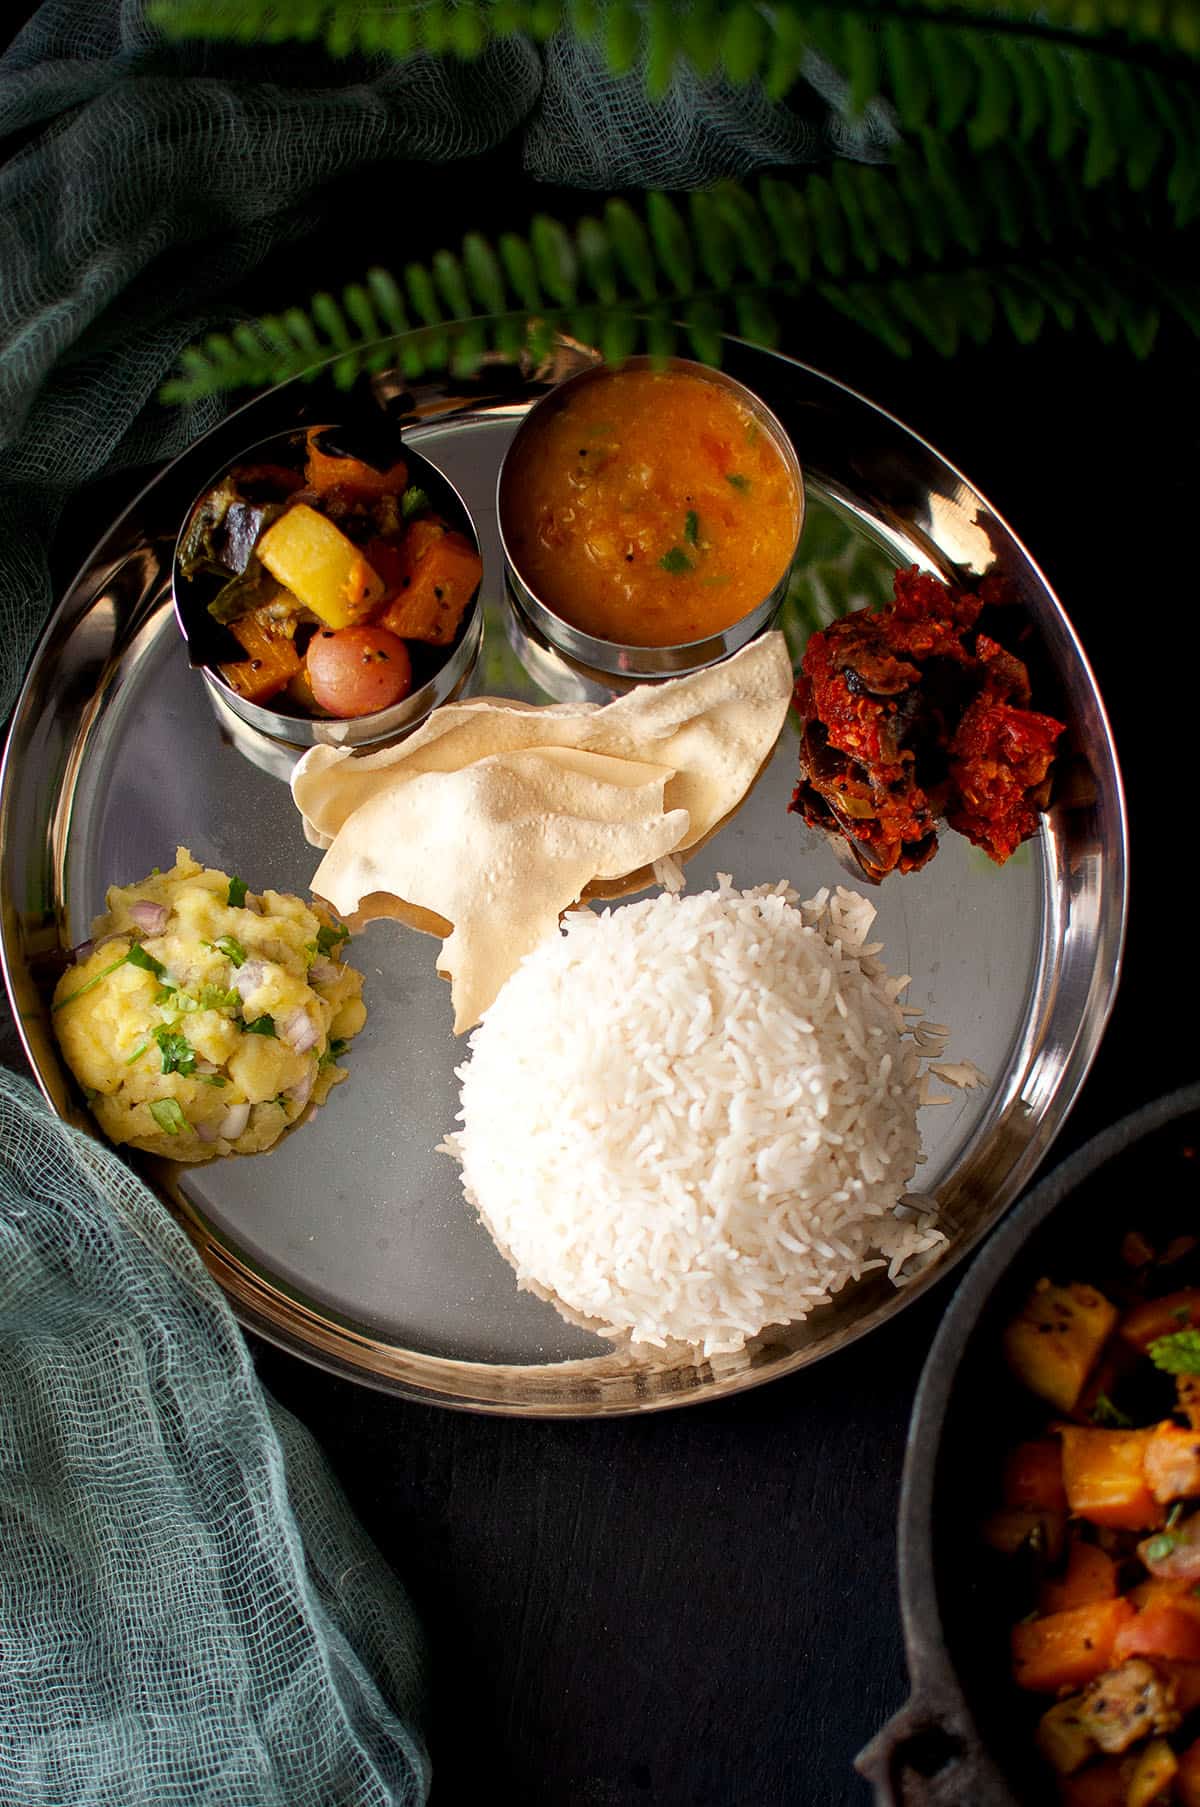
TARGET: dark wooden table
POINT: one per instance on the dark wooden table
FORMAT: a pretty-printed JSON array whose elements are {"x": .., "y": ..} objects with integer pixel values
[{"x": 698, "y": 1609}]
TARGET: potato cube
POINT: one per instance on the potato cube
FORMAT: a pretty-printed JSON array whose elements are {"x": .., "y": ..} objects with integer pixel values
[
  {"x": 318, "y": 564},
  {"x": 1055, "y": 1341}
]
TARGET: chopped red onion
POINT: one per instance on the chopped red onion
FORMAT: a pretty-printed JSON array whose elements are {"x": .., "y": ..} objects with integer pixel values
[
  {"x": 208, "y": 1131},
  {"x": 323, "y": 972},
  {"x": 151, "y": 918},
  {"x": 206, "y": 1066},
  {"x": 298, "y": 1030},
  {"x": 83, "y": 952},
  {"x": 248, "y": 978},
  {"x": 300, "y": 1092},
  {"x": 234, "y": 1121}
]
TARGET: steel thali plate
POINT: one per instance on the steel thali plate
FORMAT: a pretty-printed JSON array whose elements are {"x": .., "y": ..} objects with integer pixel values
[{"x": 350, "y": 1243}]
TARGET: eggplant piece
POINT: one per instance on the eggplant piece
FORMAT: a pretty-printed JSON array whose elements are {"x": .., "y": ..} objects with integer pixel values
[
  {"x": 198, "y": 549},
  {"x": 244, "y": 523},
  {"x": 250, "y": 589}
]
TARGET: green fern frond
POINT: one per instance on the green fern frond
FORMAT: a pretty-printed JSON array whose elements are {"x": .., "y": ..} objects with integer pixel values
[
  {"x": 963, "y": 246},
  {"x": 1097, "y": 71},
  {"x": 749, "y": 37}
]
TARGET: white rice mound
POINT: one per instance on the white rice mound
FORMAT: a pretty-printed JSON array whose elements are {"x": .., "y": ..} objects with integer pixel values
[{"x": 691, "y": 1117}]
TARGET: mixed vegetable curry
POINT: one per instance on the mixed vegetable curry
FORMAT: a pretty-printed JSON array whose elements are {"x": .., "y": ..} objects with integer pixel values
[
  {"x": 334, "y": 577},
  {"x": 1100, "y": 1518}
]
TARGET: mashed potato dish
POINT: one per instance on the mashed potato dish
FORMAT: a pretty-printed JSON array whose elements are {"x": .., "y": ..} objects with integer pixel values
[{"x": 203, "y": 1019}]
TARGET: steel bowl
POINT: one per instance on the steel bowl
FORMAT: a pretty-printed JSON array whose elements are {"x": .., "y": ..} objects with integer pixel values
[
  {"x": 960, "y": 1739},
  {"x": 584, "y": 657},
  {"x": 275, "y": 738}
]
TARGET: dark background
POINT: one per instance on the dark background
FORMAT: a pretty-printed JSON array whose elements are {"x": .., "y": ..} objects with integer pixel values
[{"x": 698, "y": 1609}]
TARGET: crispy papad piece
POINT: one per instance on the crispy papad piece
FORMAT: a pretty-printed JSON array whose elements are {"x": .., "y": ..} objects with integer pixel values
[{"x": 495, "y": 816}]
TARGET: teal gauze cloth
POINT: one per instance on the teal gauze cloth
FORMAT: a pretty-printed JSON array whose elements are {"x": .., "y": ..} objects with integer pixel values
[{"x": 189, "y": 1612}]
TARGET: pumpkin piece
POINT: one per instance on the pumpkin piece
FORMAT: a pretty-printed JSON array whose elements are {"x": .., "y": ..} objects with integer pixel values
[
  {"x": 1105, "y": 1480},
  {"x": 1012, "y": 1527},
  {"x": 271, "y": 660},
  {"x": 326, "y": 470},
  {"x": 1062, "y": 1740},
  {"x": 1153, "y": 1774},
  {"x": 1056, "y": 1339},
  {"x": 396, "y": 560},
  {"x": 1090, "y": 1575},
  {"x": 1067, "y": 1649},
  {"x": 1172, "y": 1463},
  {"x": 1187, "y": 1776},
  {"x": 442, "y": 581},
  {"x": 320, "y": 566},
  {"x": 1156, "y": 1592},
  {"x": 1033, "y": 1475},
  {"x": 1161, "y": 1317}
]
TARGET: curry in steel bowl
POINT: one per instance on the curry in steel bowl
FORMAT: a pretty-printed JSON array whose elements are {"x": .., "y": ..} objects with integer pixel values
[
  {"x": 650, "y": 508},
  {"x": 322, "y": 578}
]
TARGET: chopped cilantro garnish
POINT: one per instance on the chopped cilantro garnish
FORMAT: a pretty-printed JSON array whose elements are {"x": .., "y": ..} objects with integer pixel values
[
  {"x": 1106, "y": 1413},
  {"x": 213, "y": 997},
  {"x": 1178, "y": 1353},
  {"x": 174, "y": 1002},
  {"x": 168, "y": 1116},
  {"x": 137, "y": 1054},
  {"x": 237, "y": 893},
  {"x": 676, "y": 561},
  {"x": 1160, "y": 1547},
  {"x": 691, "y": 527},
  {"x": 333, "y": 1052},
  {"x": 231, "y": 948},
  {"x": 328, "y": 939},
  {"x": 137, "y": 956},
  {"x": 262, "y": 1025},
  {"x": 210, "y": 1079},
  {"x": 737, "y": 481},
  {"x": 178, "y": 1054},
  {"x": 413, "y": 502}
]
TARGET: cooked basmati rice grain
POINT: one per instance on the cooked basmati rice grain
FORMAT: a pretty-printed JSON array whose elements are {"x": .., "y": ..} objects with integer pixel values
[{"x": 691, "y": 1117}]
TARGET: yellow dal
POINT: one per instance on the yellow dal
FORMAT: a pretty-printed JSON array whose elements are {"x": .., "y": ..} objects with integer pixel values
[{"x": 650, "y": 508}]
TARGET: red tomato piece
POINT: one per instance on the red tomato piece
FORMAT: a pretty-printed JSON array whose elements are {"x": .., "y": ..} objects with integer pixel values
[
  {"x": 1160, "y": 1631},
  {"x": 357, "y": 670}
]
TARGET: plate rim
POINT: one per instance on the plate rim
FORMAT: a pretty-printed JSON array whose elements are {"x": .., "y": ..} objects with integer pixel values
[{"x": 701, "y": 1382}]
